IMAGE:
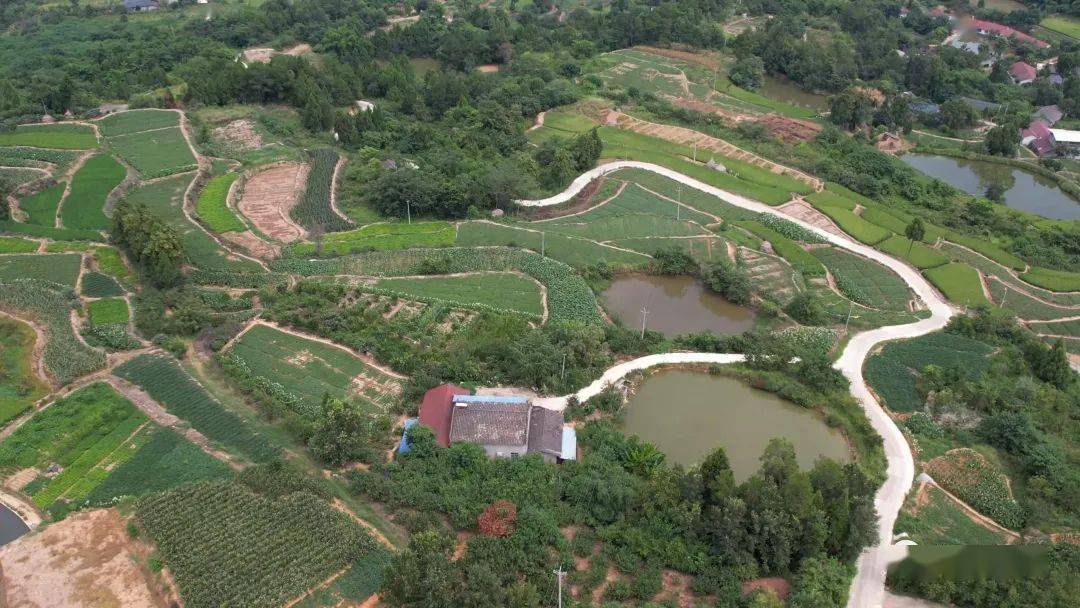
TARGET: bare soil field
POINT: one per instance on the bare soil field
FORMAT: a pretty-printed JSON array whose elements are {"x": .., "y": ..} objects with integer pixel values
[
  {"x": 252, "y": 244},
  {"x": 268, "y": 197},
  {"x": 802, "y": 210},
  {"x": 84, "y": 560},
  {"x": 240, "y": 134},
  {"x": 790, "y": 130}
]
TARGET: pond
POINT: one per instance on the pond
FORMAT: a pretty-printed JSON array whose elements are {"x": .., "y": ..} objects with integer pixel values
[
  {"x": 1023, "y": 191},
  {"x": 11, "y": 527},
  {"x": 782, "y": 89},
  {"x": 688, "y": 414},
  {"x": 676, "y": 305}
]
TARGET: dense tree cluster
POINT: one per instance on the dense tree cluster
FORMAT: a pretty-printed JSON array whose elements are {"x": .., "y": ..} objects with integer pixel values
[{"x": 153, "y": 244}]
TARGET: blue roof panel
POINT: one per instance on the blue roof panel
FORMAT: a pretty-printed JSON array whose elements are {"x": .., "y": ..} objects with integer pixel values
[{"x": 490, "y": 399}]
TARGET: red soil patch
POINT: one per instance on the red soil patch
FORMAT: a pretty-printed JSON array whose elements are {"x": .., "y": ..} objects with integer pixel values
[
  {"x": 789, "y": 130},
  {"x": 269, "y": 196}
]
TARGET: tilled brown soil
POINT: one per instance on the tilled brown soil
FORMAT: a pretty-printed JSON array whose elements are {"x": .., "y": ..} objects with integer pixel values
[{"x": 269, "y": 196}]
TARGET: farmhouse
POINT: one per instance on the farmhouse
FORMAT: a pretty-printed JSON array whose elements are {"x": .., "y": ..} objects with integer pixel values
[
  {"x": 1067, "y": 139},
  {"x": 1023, "y": 72},
  {"x": 141, "y": 5},
  {"x": 505, "y": 426},
  {"x": 1038, "y": 138}
]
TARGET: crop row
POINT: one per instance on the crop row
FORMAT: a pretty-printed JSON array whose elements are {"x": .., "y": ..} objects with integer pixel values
[
  {"x": 382, "y": 237},
  {"x": 788, "y": 249},
  {"x": 227, "y": 546},
  {"x": 41, "y": 207},
  {"x": 313, "y": 209},
  {"x": 50, "y": 305},
  {"x": 90, "y": 187},
  {"x": 212, "y": 205},
  {"x": 892, "y": 373},
  {"x": 970, "y": 476},
  {"x": 168, "y": 384}
]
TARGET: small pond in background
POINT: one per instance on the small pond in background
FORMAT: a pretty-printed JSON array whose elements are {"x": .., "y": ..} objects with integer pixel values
[
  {"x": 782, "y": 89},
  {"x": 11, "y": 527},
  {"x": 676, "y": 305},
  {"x": 1023, "y": 191},
  {"x": 687, "y": 414}
]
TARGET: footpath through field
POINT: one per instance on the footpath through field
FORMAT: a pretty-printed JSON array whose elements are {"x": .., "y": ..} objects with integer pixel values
[{"x": 868, "y": 587}]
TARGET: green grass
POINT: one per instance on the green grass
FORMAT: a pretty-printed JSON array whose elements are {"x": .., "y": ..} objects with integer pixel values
[
  {"x": 692, "y": 197},
  {"x": 309, "y": 369},
  {"x": 897, "y": 222},
  {"x": 892, "y": 373},
  {"x": 940, "y": 521},
  {"x": 19, "y": 385},
  {"x": 988, "y": 249},
  {"x": 1054, "y": 280},
  {"x": 577, "y": 252},
  {"x": 164, "y": 199},
  {"x": 168, "y": 384},
  {"x": 212, "y": 207},
  {"x": 10, "y": 244},
  {"x": 864, "y": 281},
  {"x": 41, "y": 208},
  {"x": 59, "y": 234},
  {"x": 58, "y": 137},
  {"x": 389, "y": 236},
  {"x": 959, "y": 282},
  {"x": 500, "y": 291},
  {"x": 110, "y": 262},
  {"x": 919, "y": 255},
  {"x": 62, "y": 268},
  {"x": 155, "y": 153},
  {"x": 98, "y": 285},
  {"x": 110, "y": 311},
  {"x": 827, "y": 198},
  {"x": 971, "y": 477},
  {"x": 84, "y": 206},
  {"x": 634, "y": 213},
  {"x": 1062, "y": 24},
  {"x": 134, "y": 121},
  {"x": 862, "y": 230},
  {"x": 163, "y": 462},
  {"x": 799, "y": 258}
]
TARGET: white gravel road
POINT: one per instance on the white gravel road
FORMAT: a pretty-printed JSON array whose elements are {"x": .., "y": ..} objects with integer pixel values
[{"x": 868, "y": 587}]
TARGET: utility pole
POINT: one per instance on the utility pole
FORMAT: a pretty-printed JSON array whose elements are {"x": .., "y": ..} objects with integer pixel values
[
  {"x": 1002, "y": 304},
  {"x": 408, "y": 210},
  {"x": 562, "y": 373},
  {"x": 543, "y": 242},
  {"x": 678, "y": 206},
  {"x": 848, "y": 320},
  {"x": 559, "y": 574},
  {"x": 644, "y": 314},
  {"x": 695, "y": 152}
]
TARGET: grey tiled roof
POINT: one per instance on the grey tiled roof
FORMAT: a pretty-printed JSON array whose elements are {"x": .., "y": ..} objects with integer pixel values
[
  {"x": 490, "y": 423},
  {"x": 545, "y": 431}
]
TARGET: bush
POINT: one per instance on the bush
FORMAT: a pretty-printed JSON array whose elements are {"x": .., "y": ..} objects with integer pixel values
[
  {"x": 728, "y": 280},
  {"x": 806, "y": 308}
]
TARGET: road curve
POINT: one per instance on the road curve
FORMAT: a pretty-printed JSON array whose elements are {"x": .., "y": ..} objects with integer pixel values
[{"x": 868, "y": 586}]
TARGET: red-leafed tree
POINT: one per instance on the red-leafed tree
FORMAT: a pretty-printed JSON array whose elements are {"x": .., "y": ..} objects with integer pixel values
[{"x": 498, "y": 518}]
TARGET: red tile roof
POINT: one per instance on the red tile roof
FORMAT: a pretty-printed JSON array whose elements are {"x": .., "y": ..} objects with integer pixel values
[
  {"x": 436, "y": 408},
  {"x": 1005, "y": 32},
  {"x": 1022, "y": 71},
  {"x": 1038, "y": 137}
]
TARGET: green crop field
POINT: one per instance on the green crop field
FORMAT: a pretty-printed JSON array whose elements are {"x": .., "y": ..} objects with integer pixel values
[
  {"x": 988, "y": 249},
  {"x": 1053, "y": 280},
  {"x": 864, "y": 281},
  {"x": 11, "y": 178},
  {"x": 164, "y": 199},
  {"x": 110, "y": 311},
  {"x": 79, "y": 432},
  {"x": 692, "y": 197},
  {"x": 919, "y": 255},
  {"x": 164, "y": 461},
  {"x": 84, "y": 206},
  {"x": 1061, "y": 328},
  {"x": 362, "y": 580},
  {"x": 940, "y": 521},
  {"x": 897, "y": 222},
  {"x": 577, "y": 252},
  {"x": 862, "y": 230},
  {"x": 383, "y": 236},
  {"x": 634, "y": 213},
  {"x": 109, "y": 261},
  {"x": 62, "y": 268},
  {"x": 212, "y": 207},
  {"x": 1062, "y": 24},
  {"x": 249, "y": 550},
  {"x": 11, "y": 244},
  {"x": 892, "y": 372},
  {"x": 123, "y": 123},
  {"x": 60, "y": 234},
  {"x": 569, "y": 296},
  {"x": 99, "y": 285},
  {"x": 50, "y": 305},
  {"x": 59, "y": 160},
  {"x": 499, "y": 291},
  {"x": 154, "y": 153},
  {"x": 313, "y": 209},
  {"x": 168, "y": 384},
  {"x": 41, "y": 208},
  {"x": 309, "y": 369},
  {"x": 56, "y": 136},
  {"x": 959, "y": 282},
  {"x": 786, "y": 248},
  {"x": 971, "y": 477},
  {"x": 827, "y": 198},
  {"x": 19, "y": 385}
]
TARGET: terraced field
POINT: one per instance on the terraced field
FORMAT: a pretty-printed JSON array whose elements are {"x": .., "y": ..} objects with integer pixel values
[
  {"x": 19, "y": 384},
  {"x": 864, "y": 281},
  {"x": 497, "y": 291},
  {"x": 84, "y": 205},
  {"x": 54, "y": 136}
]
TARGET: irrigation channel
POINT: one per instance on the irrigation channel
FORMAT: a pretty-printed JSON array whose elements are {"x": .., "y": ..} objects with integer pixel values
[
  {"x": 1023, "y": 191},
  {"x": 868, "y": 587}
]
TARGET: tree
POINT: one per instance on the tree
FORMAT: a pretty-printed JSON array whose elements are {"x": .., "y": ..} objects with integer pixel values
[
  {"x": 1052, "y": 365},
  {"x": 957, "y": 115},
  {"x": 152, "y": 243},
  {"x": 586, "y": 149},
  {"x": 822, "y": 582},
  {"x": 497, "y": 519},
  {"x": 728, "y": 280},
  {"x": 748, "y": 73},
  {"x": 344, "y": 432},
  {"x": 1002, "y": 140},
  {"x": 996, "y": 192},
  {"x": 717, "y": 478},
  {"x": 422, "y": 576},
  {"x": 806, "y": 308},
  {"x": 915, "y": 231}
]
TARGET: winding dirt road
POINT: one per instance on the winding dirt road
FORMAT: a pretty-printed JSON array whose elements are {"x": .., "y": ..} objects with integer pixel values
[{"x": 868, "y": 587}]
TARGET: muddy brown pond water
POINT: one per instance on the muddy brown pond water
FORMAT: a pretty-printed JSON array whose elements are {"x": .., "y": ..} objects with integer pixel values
[
  {"x": 676, "y": 305},
  {"x": 687, "y": 414}
]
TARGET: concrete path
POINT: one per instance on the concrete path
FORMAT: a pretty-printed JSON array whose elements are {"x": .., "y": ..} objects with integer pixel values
[{"x": 868, "y": 587}]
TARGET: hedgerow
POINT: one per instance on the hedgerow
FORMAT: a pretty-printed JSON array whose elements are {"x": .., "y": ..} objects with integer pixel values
[{"x": 313, "y": 209}]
